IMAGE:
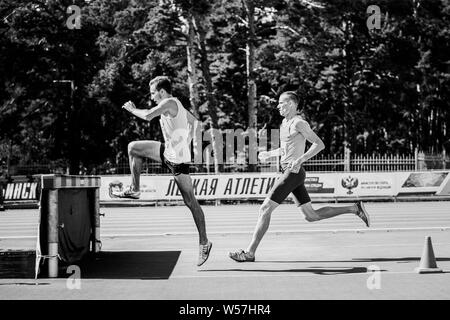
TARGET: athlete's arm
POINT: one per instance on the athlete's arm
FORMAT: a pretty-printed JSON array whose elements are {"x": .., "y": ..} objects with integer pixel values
[
  {"x": 191, "y": 118},
  {"x": 193, "y": 124},
  {"x": 266, "y": 155},
  {"x": 167, "y": 105},
  {"x": 317, "y": 143}
]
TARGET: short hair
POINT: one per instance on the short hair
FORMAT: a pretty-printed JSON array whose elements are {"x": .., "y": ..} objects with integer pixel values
[
  {"x": 292, "y": 95},
  {"x": 162, "y": 82}
]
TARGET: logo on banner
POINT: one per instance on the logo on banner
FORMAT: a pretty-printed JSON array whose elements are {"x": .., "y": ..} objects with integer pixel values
[
  {"x": 424, "y": 179},
  {"x": 21, "y": 191},
  {"x": 349, "y": 183},
  {"x": 115, "y": 187},
  {"x": 313, "y": 185}
]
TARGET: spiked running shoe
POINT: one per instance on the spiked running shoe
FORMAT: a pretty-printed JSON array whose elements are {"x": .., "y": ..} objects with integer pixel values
[
  {"x": 204, "y": 251},
  {"x": 362, "y": 213},
  {"x": 241, "y": 256},
  {"x": 128, "y": 193}
]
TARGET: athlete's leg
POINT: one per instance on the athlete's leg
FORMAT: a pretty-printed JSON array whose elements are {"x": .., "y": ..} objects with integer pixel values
[
  {"x": 329, "y": 212},
  {"x": 265, "y": 212},
  {"x": 277, "y": 194},
  {"x": 184, "y": 183},
  {"x": 137, "y": 150},
  {"x": 302, "y": 199},
  {"x": 312, "y": 215},
  {"x": 284, "y": 185}
]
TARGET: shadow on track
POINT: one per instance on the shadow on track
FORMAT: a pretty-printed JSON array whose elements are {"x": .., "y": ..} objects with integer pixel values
[
  {"x": 129, "y": 265},
  {"x": 315, "y": 270},
  {"x": 399, "y": 260},
  {"x": 104, "y": 265},
  {"x": 17, "y": 264}
]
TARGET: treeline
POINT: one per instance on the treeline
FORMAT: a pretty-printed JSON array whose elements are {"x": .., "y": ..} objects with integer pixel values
[{"x": 375, "y": 91}]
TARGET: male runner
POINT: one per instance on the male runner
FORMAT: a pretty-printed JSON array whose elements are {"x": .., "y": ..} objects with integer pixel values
[
  {"x": 175, "y": 153},
  {"x": 294, "y": 131}
]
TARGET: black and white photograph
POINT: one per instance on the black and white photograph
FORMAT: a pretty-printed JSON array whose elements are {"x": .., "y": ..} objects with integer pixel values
[{"x": 224, "y": 156}]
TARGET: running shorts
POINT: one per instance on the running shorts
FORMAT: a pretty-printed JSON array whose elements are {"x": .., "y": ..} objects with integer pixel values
[
  {"x": 290, "y": 182},
  {"x": 174, "y": 168}
]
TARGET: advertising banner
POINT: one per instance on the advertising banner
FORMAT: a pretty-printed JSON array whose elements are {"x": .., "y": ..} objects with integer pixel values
[
  {"x": 20, "y": 188},
  {"x": 444, "y": 189},
  {"x": 211, "y": 187},
  {"x": 254, "y": 185},
  {"x": 355, "y": 184},
  {"x": 206, "y": 187},
  {"x": 423, "y": 182},
  {"x": 258, "y": 185}
]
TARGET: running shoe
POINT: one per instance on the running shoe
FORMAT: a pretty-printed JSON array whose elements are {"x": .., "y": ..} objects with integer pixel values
[
  {"x": 241, "y": 256},
  {"x": 128, "y": 193},
  {"x": 204, "y": 251},
  {"x": 362, "y": 213}
]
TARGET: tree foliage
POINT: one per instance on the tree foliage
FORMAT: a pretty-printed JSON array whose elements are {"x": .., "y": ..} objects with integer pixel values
[{"x": 378, "y": 91}]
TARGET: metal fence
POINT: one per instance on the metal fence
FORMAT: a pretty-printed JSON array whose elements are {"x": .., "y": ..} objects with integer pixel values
[
  {"x": 383, "y": 163},
  {"x": 322, "y": 163}
]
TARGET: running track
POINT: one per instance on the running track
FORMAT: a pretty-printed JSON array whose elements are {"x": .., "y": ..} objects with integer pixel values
[{"x": 328, "y": 259}]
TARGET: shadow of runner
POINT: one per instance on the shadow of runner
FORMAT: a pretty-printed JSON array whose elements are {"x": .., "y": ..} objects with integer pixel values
[
  {"x": 315, "y": 270},
  {"x": 399, "y": 260}
]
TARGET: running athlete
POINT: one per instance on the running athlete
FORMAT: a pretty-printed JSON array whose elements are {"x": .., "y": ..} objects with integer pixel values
[
  {"x": 294, "y": 132},
  {"x": 175, "y": 154}
]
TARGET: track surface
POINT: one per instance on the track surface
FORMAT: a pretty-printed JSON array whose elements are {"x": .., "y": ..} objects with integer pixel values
[{"x": 151, "y": 253}]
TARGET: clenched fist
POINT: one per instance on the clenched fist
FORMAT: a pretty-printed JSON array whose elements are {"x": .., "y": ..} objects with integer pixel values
[
  {"x": 129, "y": 106},
  {"x": 263, "y": 156}
]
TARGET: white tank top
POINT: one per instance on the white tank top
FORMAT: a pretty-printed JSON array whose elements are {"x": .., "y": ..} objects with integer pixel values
[{"x": 177, "y": 135}]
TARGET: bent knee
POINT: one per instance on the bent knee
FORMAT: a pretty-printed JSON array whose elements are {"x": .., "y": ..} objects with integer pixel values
[
  {"x": 265, "y": 210},
  {"x": 310, "y": 215},
  {"x": 132, "y": 147}
]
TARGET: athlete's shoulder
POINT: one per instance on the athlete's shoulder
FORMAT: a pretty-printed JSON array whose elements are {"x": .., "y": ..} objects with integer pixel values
[
  {"x": 171, "y": 106},
  {"x": 300, "y": 123},
  {"x": 169, "y": 100}
]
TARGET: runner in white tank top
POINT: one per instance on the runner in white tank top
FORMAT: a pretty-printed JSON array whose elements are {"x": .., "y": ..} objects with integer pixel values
[{"x": 175, "y": 154}]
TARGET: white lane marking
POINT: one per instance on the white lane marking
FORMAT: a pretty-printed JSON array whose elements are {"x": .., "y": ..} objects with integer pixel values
[
  {"x": 371, "y": 230},
  {"x": 18, "y": 237},
  {"x": 287, "y": 231}
]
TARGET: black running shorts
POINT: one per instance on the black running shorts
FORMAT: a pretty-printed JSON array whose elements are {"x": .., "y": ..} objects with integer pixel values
[
  {"x": 290, "y": 182},
  {"x": 175, "y": 168}
]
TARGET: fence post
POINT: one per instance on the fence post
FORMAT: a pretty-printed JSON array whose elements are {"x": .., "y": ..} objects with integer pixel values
[
  {"x": 52, "y": 230},
  {"x": 346, "y": 158},
  {"x": 2, "y": 208},
  {"x": 444, "y": 158},
  {"x": 416, "y": 159}
]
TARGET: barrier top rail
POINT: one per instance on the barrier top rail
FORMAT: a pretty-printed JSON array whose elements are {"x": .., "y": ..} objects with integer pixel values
[{"x": 59, "y": 181}]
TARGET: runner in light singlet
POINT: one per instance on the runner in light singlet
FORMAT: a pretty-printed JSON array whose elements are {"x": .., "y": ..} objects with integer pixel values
[
  {"x": 294, "y": 132},
  {"x": 175, "y": 154}
]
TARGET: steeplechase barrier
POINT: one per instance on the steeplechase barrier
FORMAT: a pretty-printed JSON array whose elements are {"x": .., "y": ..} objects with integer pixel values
[{"x": 69, "y": 221}]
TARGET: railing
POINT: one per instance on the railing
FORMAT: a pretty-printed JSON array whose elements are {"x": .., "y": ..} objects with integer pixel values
[
  {"x": 321, "y": 163},
  {"x": 383, "y": 163}
]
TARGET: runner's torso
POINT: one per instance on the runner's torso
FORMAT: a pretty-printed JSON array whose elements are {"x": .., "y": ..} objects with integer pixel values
[
  {"x": 292, "y": 142},
  {"x": 176, "y": 135}
]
